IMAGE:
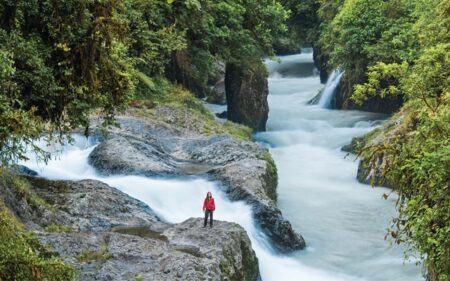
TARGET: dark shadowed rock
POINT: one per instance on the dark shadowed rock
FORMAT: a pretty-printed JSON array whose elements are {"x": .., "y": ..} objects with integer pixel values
[
  {"x": 342, "y": 100},
  {"x": 24, "y": 170},
  {"x": 222, "y": 115},
  {"x": 246, "y": 91}
]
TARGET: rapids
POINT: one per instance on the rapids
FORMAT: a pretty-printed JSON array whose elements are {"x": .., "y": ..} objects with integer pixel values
[{"x": 342, "y": 221}]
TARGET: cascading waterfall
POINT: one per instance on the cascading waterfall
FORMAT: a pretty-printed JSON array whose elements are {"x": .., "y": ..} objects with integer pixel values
[
  {"x": 176, "y": 200},
  {"x": 330, "y": 88},
  {"x": 343, "y": 222}
]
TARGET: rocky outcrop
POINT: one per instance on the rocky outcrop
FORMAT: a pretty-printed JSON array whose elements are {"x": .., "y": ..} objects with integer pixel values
[
  {"x": 246, "y": 91},
  {"x": 244, "y": 181},
  {"x": 241, "y": 166},
  {"x": 371, "y": 169},
  {"x": 387, "y": 105},
  {"x": 108, "y": 235}
]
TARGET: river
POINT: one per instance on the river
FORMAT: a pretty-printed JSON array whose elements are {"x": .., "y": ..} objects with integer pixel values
[{"x": 342, "y": 221}]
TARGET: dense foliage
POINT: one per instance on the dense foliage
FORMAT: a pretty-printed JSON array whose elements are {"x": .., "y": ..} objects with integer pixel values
[
  {"x": 60, "y": 61},
  {"x": 402, "y": 47},
  {"x": 22, "y": 257}
]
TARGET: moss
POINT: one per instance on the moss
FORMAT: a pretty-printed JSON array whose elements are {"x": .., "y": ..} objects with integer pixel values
[
  {"x": 57, "y": 228},
  {"x": 270, "y": 178},
  {"x": 200, "y": 121},
  {"x": 95, "y": 255},
  {"x": 186, "y": 111},
  {"x": 60, "y": 186},
  {"x": 238, "y": 131},
  {"x": 22, "y": 257},
  {"x": 22, "y": 188},
  {"x": 249, "y": 263}
]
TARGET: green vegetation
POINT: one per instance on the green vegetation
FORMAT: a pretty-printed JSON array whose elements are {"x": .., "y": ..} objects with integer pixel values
[
  {"x": 62, "y": 61},
  {"x": 22, "y": 257},
  {"x": 184, "y": 110},
  {"x": 58, "y": 62},
  {"x": 271, "y": 175},
  {"x": 94, "y": 255},
  {"x": 401, "y": 48},
  {"x": 57, "y": 228},
  {"x": 22, "y": 189}
]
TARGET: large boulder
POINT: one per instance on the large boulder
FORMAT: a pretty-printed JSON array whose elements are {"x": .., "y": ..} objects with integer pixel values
[
  {"x": 246, "y": 90},
  {"x": 244, "y": 168},
  {"x": 108, "y": 235},
  {"x": 248, "y": 180}
]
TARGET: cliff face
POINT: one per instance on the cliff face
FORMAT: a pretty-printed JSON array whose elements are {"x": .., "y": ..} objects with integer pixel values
[
  {"x": 108, "y": 235},
  {"x": 246, "y": 91}
]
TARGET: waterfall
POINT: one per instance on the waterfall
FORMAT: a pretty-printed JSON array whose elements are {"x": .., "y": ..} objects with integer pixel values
[
  {"x": 175, "y": 200},
  {"x": 330, "y": 88},
  {"x": 342, "y": 220}
]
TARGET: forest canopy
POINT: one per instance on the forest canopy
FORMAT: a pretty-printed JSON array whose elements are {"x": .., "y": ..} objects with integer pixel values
[{"x": 61, "y": 61}]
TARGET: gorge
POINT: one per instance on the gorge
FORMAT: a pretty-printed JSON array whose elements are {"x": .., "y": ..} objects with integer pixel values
[
  {"x": 109, "y": 140},
  {"x": 343, "y": 222}
]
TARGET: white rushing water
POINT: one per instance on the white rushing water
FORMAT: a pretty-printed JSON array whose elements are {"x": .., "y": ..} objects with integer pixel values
[
  {"x": 330, "y": 88},
  {"x": 342, "y": 221},
  {"x": 176, "y": 200}
]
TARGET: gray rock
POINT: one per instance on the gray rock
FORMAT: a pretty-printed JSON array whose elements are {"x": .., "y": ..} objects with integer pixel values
[
  {"x": 108, "y": 235},
  {"x": 131, "y": 156},
  {"x": 217, "y": 94},
  {"x": 244, "y": 181},
  {"x": 239, "y": 165}
]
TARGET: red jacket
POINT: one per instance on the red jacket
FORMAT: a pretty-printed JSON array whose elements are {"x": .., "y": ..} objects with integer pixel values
[{"x": 209, "y": 204}]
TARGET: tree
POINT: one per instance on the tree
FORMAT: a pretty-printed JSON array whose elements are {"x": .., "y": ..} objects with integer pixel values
[{"x": 60, "y": 61}]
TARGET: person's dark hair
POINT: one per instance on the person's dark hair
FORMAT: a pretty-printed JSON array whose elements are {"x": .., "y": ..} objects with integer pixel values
[{"x": 208, "y": 193}]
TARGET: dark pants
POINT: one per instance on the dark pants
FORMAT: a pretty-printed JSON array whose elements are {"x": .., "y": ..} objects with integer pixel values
[{"x": 210, "y": 213}]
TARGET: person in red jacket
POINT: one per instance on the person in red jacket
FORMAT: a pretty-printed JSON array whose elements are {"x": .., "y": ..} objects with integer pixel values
[{"x": 209, "y": 207}]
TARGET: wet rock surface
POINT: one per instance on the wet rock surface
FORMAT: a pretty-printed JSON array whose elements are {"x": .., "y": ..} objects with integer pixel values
[
  {"x": 239, "y": 165},
  {"x": 108, "y": 235}
]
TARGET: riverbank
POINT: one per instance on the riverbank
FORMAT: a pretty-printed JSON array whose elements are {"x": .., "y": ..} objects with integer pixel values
[{"x": 343, "y": 221}]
